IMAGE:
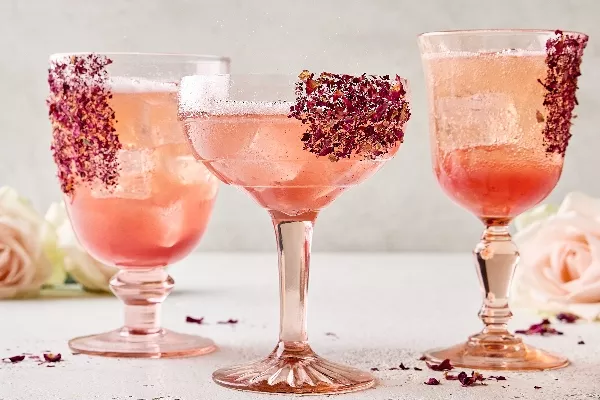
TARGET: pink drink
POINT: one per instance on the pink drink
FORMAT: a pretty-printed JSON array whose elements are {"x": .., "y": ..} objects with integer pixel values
[
  {"x": 497, "y": 181},
  {"x": 159, "y": 210},
  {"x": 263, "y": 153},
  {"x": 487, "y": 120}
]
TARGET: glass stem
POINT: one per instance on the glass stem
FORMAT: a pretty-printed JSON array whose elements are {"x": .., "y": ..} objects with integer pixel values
[
  {"x": 142, "y": 291},
  {"x": 294, "y": 238},
  {"x": 496, "y": 257}
]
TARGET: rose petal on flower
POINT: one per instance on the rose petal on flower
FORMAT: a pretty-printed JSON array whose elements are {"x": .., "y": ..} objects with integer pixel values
[
  {"x": 582, "y": 204},
  {"x": 432, "y": 381}
]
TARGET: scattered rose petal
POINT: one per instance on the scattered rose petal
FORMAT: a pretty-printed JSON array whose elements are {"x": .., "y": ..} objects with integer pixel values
[
  {"x": 50, "y": 357},
  {"x": 466, "y": 380},
  {"x": 432, "y": 381},
  {"x": 581, "y": 342},
  {"x": 374, "y": 369},
  {"x": 443, "y": 366},
  {"x": 567, "y": 318},
  {"x": 542, "y": 329},
  {"x": 451, "y": 377},
  {"x": 229, "y": 321},
  {"x": 393, "y": 369},
  {"x": 498, "y": 378},
  {"x": 193, "y": 320},
  {"x": 537, "y": 387},
  {"x": 15, "y": 359},
  {"x": 402, "y": 367},
  {"x": 417, "y": 369},
  {"x": 50, "y": 366}
]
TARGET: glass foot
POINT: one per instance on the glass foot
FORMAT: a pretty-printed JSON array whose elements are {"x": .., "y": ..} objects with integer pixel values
[
  {"x": 510, "y": 354},
  {"x": 122, "y": 343},
  {"x": 300, "y": 372}
]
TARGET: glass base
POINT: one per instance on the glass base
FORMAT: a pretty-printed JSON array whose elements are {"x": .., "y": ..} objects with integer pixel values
[
  {"x": 300, "y": 372},
  {"x": 508, "y": 355},
  {"x": 122, "y": 343}
]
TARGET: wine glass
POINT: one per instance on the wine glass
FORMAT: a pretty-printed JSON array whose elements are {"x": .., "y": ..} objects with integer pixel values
[
  {"x": 294, "y": 144},
  {"x": 500, "y": 104},
  {"x": 136, "y": 197}
]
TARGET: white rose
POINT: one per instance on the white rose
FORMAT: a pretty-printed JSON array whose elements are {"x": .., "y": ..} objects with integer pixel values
[
  {"x": 559, "y": 269},
  {"x": 90, "y": 273},
  {"x": 24, "y": 267}
]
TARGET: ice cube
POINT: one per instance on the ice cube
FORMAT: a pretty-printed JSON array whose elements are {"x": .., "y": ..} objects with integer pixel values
[
  {"x": 135, "y": 176},
  {"x": 171, "y": 220},
  {"x": 188, "y": 171},
  {"x": 484, "y": 118}
]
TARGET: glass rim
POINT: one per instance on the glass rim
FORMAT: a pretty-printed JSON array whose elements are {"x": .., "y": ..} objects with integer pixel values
[
  {"x": 293, "y": 76},
  {"x": 165, "y": 57},
  {"x": 459, "y": 32}
]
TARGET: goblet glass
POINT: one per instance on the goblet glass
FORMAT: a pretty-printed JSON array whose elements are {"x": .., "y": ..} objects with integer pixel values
[
  {"x": 294, "y": 145},
  {"x": 136, "y": 197},
  {"x": 500, "y": 105}
]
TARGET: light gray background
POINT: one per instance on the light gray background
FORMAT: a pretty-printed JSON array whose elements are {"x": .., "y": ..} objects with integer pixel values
[{"x": 401, "y": 208}]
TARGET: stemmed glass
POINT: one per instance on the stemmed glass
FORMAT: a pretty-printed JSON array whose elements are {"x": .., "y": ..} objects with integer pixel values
[
  {"x": 136, "y": 197},
  {"x": 501, "y": 104},
  {"x": 294, "y": 144}
]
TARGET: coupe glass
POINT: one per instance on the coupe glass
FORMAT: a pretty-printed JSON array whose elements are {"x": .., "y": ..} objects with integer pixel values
[
  {"x": 247, "y": 138},
  {"x": 135, "y": 195},
  {"x": 500, "y": 106}
]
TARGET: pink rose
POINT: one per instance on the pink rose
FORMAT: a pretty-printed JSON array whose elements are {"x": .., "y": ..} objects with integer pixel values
[
  {"x": 24, "y": 267},
  {"x": 559, "y": 268}
]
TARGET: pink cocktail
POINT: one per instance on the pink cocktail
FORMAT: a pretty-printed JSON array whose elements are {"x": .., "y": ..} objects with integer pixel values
[
  {"x": 497, "y": 182},
  {"x": 501, "y": 104},
  {"x": 294, "y": 157},
  {"x": 164, "y": 197},
  {"x": 136, "y": 197}
]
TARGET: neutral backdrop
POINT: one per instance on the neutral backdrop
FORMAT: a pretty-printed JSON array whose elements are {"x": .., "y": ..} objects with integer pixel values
[{"x": 401, "y": 208}]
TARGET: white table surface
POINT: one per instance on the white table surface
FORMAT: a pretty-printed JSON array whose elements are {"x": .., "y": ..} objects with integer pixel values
[{"x": 383, "y": 308}]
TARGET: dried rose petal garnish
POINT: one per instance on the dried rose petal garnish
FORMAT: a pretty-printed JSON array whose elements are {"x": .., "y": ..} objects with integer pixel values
[
  {"x": 84, "y": 142},
  {"x": 567, "y": 318},
  {"x": 450, "y": 377},
  {"x": 443, "y": 366},
  {"x": 375, "y": 369},
  {"x": 563, "y": 58},
  {"x": 581, "y": 342},
  {"x": 15, "y": 359},
  {"x": 537, "y": 387},
  {"x": 403, "y": 367},
  {"x": 50, "y": 357},
  {"x": 543, "y": 329},
  {"x": 418, "y": 369},
  {"x": 472, "y": 380},
  {"x": 229, "y": 321},
  {"x": 466, "y": 380},
  {"x": 432, "y": 381},
  {"x": 497, "y": 378},
  {"x": 193, "y": 320},
  {"x": 363, "y": 115}
]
